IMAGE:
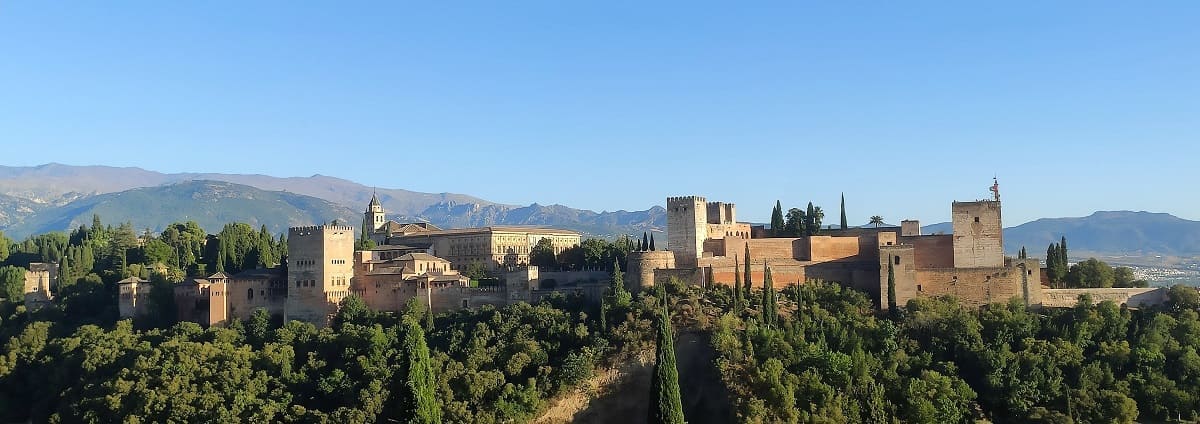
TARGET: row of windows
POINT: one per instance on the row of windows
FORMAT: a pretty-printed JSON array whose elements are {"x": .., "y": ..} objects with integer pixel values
[
  {"x": 306, "y": 262},
  {"x": 306, "y": 283},
  {"x": 337, "y": 261}
]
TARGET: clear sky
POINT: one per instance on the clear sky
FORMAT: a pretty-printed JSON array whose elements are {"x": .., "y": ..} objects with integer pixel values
[{"x": 904, "y": 106}]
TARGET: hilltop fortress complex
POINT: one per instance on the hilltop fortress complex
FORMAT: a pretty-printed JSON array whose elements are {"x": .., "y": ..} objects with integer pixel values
[{"x": 706, "y": 245}]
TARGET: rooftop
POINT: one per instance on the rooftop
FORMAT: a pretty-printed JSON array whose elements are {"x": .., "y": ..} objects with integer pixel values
[{"x": 496, "y": 228}]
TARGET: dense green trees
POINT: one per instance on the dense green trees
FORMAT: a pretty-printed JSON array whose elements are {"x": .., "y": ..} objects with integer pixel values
[
  {"x": 486, "y": 365},
  {"x": 542, "y": 254},
  {"x": 596, "y": 253},
  {"x": 1091, "y": 273},
  {"x": 835, "y": 360},
  {"x": 12, "y": 284}
]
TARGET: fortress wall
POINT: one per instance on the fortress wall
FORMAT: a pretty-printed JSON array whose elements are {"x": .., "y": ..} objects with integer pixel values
[
  {"x": 973, "y": 286},
  {"x": 932, "y": 251},
  {"x": 765, "y": 249},
  {"x": 1131, "y": 297},
  {"x": 827, "y": 248}
]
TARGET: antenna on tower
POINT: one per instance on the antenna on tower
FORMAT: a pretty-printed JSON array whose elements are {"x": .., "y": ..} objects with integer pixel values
[{"x": 995, "y": 189}]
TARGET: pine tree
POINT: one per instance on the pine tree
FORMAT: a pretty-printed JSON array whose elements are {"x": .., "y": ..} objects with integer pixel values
[
  {"x": 844, "y": 224},
  {"x": 746, "y": 280},
  {"x": 777, "y": 219},
  {"x": 891, "y": 289},
  {"x": 666, "y": 404},
  {"x": 652, "y": 242},
  {"x": 737, "y": 289},
  {"x": 424, "y": 407}
]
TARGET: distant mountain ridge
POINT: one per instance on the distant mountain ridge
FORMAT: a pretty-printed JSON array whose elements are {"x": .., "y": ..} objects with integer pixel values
[
  {"x": 1108, "y": 232},
  {"x": 58, "y": 184},
  {"x": 43, "y": 198},
  {"x": 212, "y": 204}
]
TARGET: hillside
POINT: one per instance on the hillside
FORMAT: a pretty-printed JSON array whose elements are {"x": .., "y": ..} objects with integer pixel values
[
  {"x": 14, "y": 209},
  {"x": 210, "y": 203},
  {"x": 59, "y": 184},
  {"x": 51, "y": 196},
  {"x": 1113, "y": 232},
  {"x": 456, "y": 215}
]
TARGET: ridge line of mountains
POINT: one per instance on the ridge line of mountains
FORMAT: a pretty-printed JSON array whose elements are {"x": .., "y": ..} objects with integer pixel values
[{"x": 55, "y": 197}]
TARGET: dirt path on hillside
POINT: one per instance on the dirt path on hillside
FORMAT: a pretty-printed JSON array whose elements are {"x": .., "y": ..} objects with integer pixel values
[{"x": 621, "y": 395}]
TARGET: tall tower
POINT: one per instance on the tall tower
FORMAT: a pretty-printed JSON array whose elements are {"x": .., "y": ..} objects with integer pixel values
[
  {"x": 687, "y": 227},
  {"x": 978, "y": 234},
  {"x": 320, "y": 266},
  {"x": 373, "y": 217}
]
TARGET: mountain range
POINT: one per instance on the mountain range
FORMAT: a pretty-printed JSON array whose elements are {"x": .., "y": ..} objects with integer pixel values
[
  {"x": 1106, "y": 232},
  {"x": 55, "y": 197}
]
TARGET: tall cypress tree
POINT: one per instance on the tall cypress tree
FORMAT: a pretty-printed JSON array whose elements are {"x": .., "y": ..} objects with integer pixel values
[
  {"x": 811, "y": 226},
  {"x": 777, "y": 219},
  {"x": 891, "y": 288},
  {"x": 770, "y": 315},
  {"x": 1052, "y": 264},
  {"x": 737, "y": 289},
  {"x": 423, "y": 406},
  {"x": 652, "y": 242},
  {"x": 645, "y": 241},
  {"x": 746, "y": 278},
  {"x": 1062, "y": 253},
  {"x": 666, "y": 405},
  {"x": 844, "y": 224},
  {"x": 619, "y": 296}
]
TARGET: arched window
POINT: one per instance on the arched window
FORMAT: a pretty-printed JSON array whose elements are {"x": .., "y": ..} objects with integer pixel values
[
  {"x": 249, "y": 294},
  {"x": 897, "y": 260}
]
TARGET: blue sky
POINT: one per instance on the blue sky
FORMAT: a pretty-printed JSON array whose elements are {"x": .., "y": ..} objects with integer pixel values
[{"x": 1076, "y": 107}]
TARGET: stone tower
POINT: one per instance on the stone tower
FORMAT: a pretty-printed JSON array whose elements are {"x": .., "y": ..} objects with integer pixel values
[
  {"x": 320, "y": 266},
  {"x": 373, "y": 218},
  {"x": 978, "y": 234},
  {"x": 687, "y": 227}
]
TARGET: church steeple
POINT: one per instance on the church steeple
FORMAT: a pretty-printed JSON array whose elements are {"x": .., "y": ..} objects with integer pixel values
[{"x": 374, "y": 215}]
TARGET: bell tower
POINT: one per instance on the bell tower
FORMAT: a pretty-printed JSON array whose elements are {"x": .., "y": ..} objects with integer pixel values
[{"x": 374, "y": 217}]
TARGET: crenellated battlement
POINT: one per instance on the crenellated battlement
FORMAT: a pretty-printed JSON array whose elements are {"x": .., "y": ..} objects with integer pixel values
[
  {"x": 686, "y": 200},
  {"x": 312, "y": 229}
]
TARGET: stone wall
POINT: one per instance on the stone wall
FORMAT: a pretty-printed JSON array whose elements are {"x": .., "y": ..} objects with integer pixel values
[
  {"x": 828, "y": 248},
  {"x": 773, "y": 248},
  {"x": 1131, "y": 297},
  {"x": 932, "y": 251},
  {"x": 978, "y": 234}
]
